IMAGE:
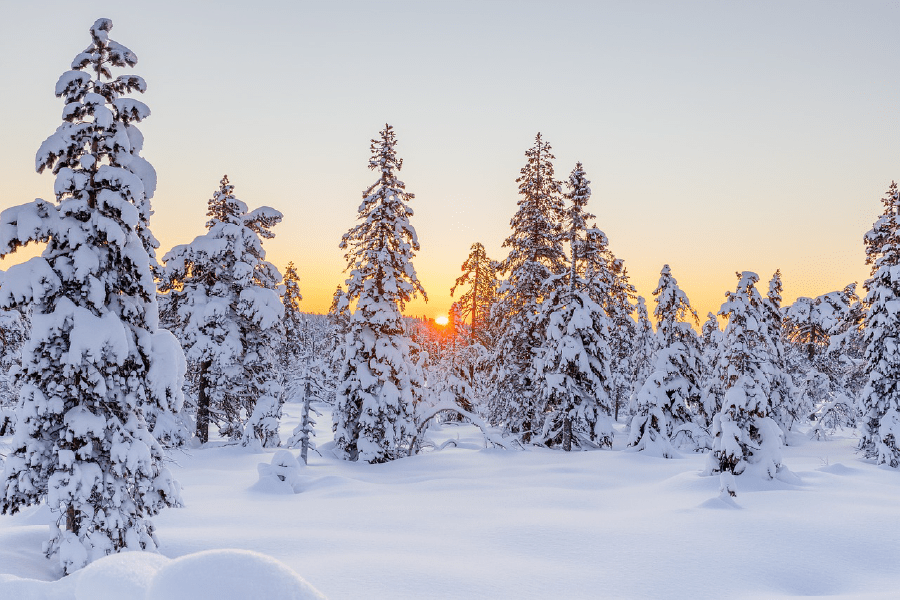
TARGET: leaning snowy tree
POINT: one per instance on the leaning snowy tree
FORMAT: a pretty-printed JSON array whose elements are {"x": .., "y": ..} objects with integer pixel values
[
  {"x": 881, "y": 396},
  {"x": 573, "y": 363},
  {"x": 380, "y": 382},
  {"x": 479, "y": 273},
  {"x": 95, "y": 363},
  {"x": 225, "y": 310},
  {"x": 535, "y": 255},
  {"x": 744, "y": 433}
]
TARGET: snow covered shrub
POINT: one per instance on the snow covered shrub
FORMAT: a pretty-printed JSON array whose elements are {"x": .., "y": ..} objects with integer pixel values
[
  {"x": 95, "y": 367},
  {"x": 379, "y": 382},
  {"x": 284, "y": 470},
  {"x": 223, "y": 305}
]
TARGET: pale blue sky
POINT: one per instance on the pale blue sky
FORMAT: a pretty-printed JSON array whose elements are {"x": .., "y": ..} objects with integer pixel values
[{"x": 719, "y": 136}]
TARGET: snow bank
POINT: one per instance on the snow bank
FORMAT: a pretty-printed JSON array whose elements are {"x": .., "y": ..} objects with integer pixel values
[
  {"x": 213, "y": 575},
  {"x": 126, "y": 575},
  {"x": 229, "y": 575}
]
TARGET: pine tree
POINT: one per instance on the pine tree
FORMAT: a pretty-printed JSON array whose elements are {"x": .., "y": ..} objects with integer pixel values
[
  {"x": 379, "y": 382},
  {"x": 745, "y": 435},
  {"x": 713, "y": 373},
  {"x": 95, "y": 363},
  {"x": 572, "y": 365},
  {"x": 535, "y": 254},
  {"x": 304, "y": 365},
  {"x": 226, "y": 310},
  {"x": 880, "y": 398},
  {"x": 611, "y": 289},
  {"x": 479, "y": 273},
  {"x": 642, "y": 356},
  {"x": 671, "y": 394},
  {"x": 784, "y": 399},
  {"x": 13, "y": 332}
]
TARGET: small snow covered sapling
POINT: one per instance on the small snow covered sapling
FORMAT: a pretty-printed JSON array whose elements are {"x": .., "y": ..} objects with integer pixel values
[{"x": 97, "y": 373}]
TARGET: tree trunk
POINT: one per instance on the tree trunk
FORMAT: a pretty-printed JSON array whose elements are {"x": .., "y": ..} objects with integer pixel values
[
  {"x": 304, "y": 422},
  {"x": 203, "y": 403},
  {"x": 71, "y": 522},
  {"x": 567, "y": 434}
]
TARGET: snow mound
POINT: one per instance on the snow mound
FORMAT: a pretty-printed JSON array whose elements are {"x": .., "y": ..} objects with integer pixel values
[
  {"x": 117, "y": 576},
  {"x": 721, "y": 502},
  {"x": 282, "y": 476},
  {"x": 838, "y": 469},
  {"x": 229, "y": 575}
]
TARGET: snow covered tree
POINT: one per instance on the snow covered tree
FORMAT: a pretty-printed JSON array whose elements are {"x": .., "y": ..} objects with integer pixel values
[
  {"x": 671, "y": 394},
  {"x": 535, "y": 254},
  {"x": 225, "y": 308},
  {"x": 610, "y": 287},
  {"x": 744, "y": 433},
  {"x": 479, "y": 273},
  {"x": 379, "y": 382},
  {"x": 95, "y": 363},
  {"x": 642, "y": 353},
  {"x": 572, "y": 365},
  {"x": 13, "y": 331},
  {"x": 783, "y": 397},
  {"x": 713, "y": 374},
  {"x": 303, "y": 361},
  {"x": 880, "y": 398}
]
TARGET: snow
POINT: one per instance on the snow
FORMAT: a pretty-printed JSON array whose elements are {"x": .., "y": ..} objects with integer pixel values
[{"x": 470, "y": 522}]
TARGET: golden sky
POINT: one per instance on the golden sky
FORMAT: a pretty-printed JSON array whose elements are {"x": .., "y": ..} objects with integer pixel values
[{"x": 719, "y": 137}]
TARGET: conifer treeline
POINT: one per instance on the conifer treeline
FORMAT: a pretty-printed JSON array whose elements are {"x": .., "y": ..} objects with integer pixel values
[{"x": 550, "y": 346}]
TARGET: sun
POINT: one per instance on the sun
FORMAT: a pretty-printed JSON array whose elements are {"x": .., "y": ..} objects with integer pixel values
[{"x": 442, "y": 320}]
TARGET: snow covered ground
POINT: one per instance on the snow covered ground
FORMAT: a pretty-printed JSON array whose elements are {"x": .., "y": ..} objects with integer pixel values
[{"x": 469, "y": 522}]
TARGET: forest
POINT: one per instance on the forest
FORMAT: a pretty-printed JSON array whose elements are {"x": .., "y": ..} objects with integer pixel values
[{"x": 117, "y": 357}]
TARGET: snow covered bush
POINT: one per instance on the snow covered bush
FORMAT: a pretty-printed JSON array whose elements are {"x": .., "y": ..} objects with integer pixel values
[
  {"x": 96, "y": 367},
  {"x": 379, "y": 383},
  {"x": 223, "y": 305},
  {"x": 284, "y": 471}
]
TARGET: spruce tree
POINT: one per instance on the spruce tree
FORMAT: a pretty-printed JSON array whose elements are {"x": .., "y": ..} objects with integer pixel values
[
  {"x": 535, "y": 255},
  {"x": 379, "y": 382},
  {"x": 783, "y": 396},
  {"x": 479, "y": 273},
  {"x": 226, "y": 311},
  {"x": 671, "y": 394},
  {"x": 880, "y": 398},
  {"x": 572, "y": 364},
  {"x": 712, "y": 374},
  {"x": 611, "y": 289},
  {"x": 95, "y": 364},
  {"x": 744, "y": 433},
  {"x": 13, "y": 332}
]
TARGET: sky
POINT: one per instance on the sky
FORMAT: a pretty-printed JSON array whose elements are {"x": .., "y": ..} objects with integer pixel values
[{"x": 718, "y": 136}]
